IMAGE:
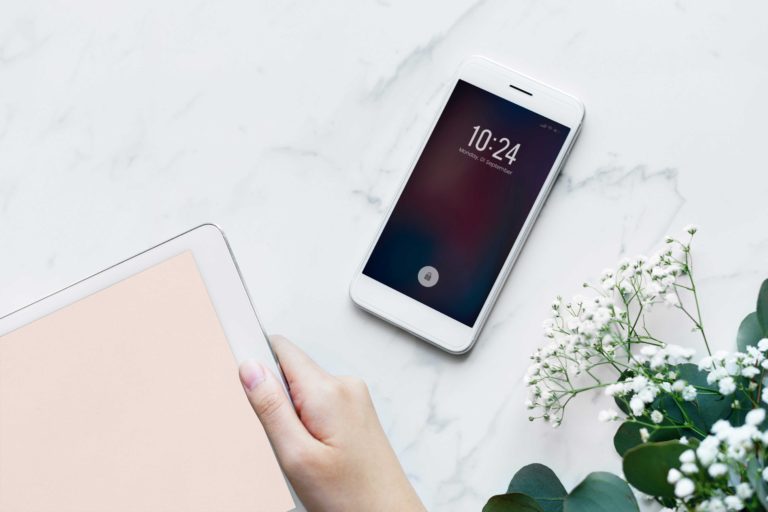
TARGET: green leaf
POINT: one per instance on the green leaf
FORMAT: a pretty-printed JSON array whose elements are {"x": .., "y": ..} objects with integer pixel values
[
  {"x": 540, "y": 483},
  {"x": 601, "y": 492},
  {"x": 737, "y": 417},
  {"x": 628, "y": 436},
  {"x": 754, "y": 475},
  {"x": 750, "y": 332},
  {"x": 513, "y": 502},
  {"x": 667, "y": 404},
  {"x": 709, "y": 406},
  {"x": 646, "y": 466},
  {"x": 691, "y": 374},
  {"x": 622, "y": 404},
  {"x": 762, "y": 306}
]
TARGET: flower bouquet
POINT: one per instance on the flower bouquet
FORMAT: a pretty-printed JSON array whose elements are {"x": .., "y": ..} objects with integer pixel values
[{"x": 693, "y": 437}]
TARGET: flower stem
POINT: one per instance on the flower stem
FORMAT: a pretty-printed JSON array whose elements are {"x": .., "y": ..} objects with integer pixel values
[{"x": 699, "y": 324}]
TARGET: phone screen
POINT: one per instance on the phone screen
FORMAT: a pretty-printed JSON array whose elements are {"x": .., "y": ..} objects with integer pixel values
[{"x": 466, "y": 201}]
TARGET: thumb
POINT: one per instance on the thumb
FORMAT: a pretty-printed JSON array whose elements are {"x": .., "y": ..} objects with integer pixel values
[{"x": 273, "y": 407}]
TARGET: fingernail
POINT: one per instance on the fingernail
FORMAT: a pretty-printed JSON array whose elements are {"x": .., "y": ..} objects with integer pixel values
[{"x": 251, "y": 374}]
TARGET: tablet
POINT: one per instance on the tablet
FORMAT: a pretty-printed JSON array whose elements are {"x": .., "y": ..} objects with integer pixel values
[{"x": 121, "y": 391}]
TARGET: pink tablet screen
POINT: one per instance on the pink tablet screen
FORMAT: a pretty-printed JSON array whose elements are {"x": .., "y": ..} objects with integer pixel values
[{"x": 128, "y": 401}]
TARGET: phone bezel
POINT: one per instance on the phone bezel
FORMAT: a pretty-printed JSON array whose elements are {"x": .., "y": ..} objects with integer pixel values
[{"x": 415, "y": 317}]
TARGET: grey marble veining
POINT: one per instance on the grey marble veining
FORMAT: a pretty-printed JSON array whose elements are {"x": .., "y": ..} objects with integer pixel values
[{"x": 291, "y": 124}]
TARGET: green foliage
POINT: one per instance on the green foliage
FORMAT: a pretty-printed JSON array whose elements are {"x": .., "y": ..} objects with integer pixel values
[
  {"x": 709, "y": 406},
  {"x": 512, "y": 502},
  {"x": 536, "y": 488},
  {"x": 628, "y": 436},
  {"x": 762, "y": 306},
  {"x": 540, "y": 483},
  {"x": 754, "y": 327},
  {"x": 601, "y": 492},
  {"x": 754, "y": 475},
  {"x": 695, "y": 419},
  {"x": 646, "y": 464},
  {"x": 646, "y": 467},
  {"x": 749, "y": 333}
]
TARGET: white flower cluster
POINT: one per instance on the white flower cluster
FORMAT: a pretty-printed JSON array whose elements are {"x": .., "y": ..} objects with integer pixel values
[
  {"x": 727, "y": 371},
  {"x": 651, "y": 279},
  {"x": 581, "y": 332},
  {"x": 714, "y": 465},
  {"x": 592, "y": 335},
  {"x": 724, "y": 368},
  {"x": 640, "y": 391}
]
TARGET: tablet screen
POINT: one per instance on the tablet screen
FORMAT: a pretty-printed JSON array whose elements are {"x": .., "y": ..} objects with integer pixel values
[{"x": 128, "y": 400}]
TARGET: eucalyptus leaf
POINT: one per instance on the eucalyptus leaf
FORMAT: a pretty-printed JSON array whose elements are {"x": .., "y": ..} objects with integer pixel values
[
  {"x": 754, "y": 474},
  {"x": 737, "y": 416},
  {"x": 691, "y": 374},
  {"x": 750, "y": 332},
  {"x": 762, "y": 306},
  {"x": 666, "y": 404},
  {"x": 511, "y": 502},
  {"x": 540, "y": 483},
  {"x": 601, "y": 492},
  {"x": 709, "y": 406},
  {"x": 646, "y": 466},
  {"x": 622, "y": 404},
  {"x": 628, "y": 436}
]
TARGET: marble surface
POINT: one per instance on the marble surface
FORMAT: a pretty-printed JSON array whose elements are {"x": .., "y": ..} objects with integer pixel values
[{"x": 291, "y": 125}]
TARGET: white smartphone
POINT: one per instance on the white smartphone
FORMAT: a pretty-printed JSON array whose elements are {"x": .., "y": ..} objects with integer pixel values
[{"x": 467, "y": 205}]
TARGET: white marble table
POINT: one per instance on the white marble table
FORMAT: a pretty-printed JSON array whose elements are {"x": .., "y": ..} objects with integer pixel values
[{"x": 291, "y": 124}]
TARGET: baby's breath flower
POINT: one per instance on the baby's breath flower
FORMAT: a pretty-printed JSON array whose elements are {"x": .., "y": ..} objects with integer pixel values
[
  {"x": 744, "y": 491},
  {"x": 637, "y": 406},
  {"x": 607, "y": 415},
  {"x": 684, "y": 488},
  {"x": 687, "y": 456},
  {"x": 615, "y": 389},
  {"x": 727, "y": 386},
  {"x": 673, "y": 476},
  {"x": 755, "y": 417},
  {"x": 717, "y": 470},
  {"x": 714, "y": 505},
  {"x": 733, "y": 503},
  {"x": 689, "y": 468},
  {"x": 689, "y": 393},
  {"x": 707, "y": 450}
]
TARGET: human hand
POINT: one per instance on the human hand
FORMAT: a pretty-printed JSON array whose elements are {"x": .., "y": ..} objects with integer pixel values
[{"x": 331, "y": 446}]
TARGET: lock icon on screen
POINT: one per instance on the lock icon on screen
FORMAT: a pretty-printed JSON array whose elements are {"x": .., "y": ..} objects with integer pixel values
[{"x": 428, "y": 276}]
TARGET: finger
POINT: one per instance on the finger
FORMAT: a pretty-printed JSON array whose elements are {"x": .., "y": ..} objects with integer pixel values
[
  {"x": 295, "y": 364},
  {"x": 274, "y": 409}
]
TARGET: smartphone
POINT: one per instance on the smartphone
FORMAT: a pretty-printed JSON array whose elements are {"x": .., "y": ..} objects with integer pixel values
[{"x": 464, "y": 210}]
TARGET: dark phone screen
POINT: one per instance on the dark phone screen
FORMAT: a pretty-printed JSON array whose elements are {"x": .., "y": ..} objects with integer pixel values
[{"x": 466, "y": 202}]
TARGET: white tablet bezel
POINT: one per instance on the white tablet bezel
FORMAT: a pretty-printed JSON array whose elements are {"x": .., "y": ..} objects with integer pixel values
[
  {"x": 222, "y": 278},
  {"x": 420, "y": 319}
]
